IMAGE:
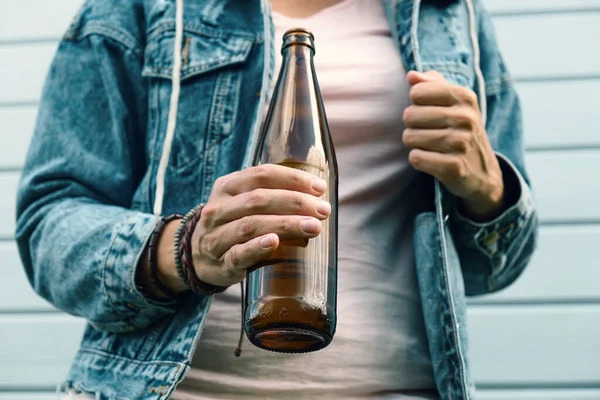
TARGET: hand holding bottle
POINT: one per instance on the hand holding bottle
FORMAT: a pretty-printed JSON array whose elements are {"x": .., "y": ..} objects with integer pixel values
[{"x": 248, "y": 213}]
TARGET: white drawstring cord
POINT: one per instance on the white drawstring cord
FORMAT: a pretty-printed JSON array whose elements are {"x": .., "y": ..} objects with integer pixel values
[
  {"x": 476, "y": 61},
  {"x": 173, "y": 108}
]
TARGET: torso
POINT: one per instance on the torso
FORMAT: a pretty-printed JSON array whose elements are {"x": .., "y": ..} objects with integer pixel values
[{"x": 380, "y": 348}]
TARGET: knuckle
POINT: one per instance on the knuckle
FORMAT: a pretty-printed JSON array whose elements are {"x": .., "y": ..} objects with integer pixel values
[
  {"x": 469, "y": 97},
  {"x": 299, "y": 202},
  {"x": 208, "y": 245},
  {"x": 460, "y": 141},
  {"x": 299, "y": 179},
  {"x": 414, "y": 158},
  {"x": 261, "y": 173},
  {"x": 461, "y": 116},
  {"x": 457, "y": 169},
  {"x": 219, "y": 182},
  {"x": 408, "y": 113},
  {"x": 475, "y": 120},
  {"x": 233, "y": 265},
  {"x": 224, "y": 183},
  {"x": 231, "y": 261},
  {"x": 209, "y": 213},
  {"x": 246, "y": 227},
  {"x": 415, "y": 93},
  {"x": 256, "y": 200},
  {"x": 285, "y": 224},
  {"x": 407, "y": 137}
]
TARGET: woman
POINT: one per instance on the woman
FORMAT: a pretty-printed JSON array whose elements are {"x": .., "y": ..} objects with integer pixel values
[{"x": 150, "y": 109}]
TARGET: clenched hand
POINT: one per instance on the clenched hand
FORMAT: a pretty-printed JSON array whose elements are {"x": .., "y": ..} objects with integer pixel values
[{"x": 447, "y": 138}]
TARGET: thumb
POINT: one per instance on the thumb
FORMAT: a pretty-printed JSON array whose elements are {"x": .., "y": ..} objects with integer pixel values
[{"x": 414, "y": 77}]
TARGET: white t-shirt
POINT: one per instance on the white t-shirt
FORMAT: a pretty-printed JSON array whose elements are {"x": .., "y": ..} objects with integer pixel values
[{"x": 380, "y": 348}]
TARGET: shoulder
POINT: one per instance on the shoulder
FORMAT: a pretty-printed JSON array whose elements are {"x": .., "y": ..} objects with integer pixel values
[{"x": 125, "y": 22}]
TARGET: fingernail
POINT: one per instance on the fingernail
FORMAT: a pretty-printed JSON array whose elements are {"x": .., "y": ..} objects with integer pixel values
[
  {"x": 266, "y": 242},
  {"x": 318, "y": 185},
  {"x": 323, "y": 208},
  {"x": 310, "y": 225}
]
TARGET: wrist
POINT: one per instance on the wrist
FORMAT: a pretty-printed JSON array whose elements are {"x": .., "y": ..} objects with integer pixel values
[
  {"x": 484, "y": 206},
  {"x": 167, "y": 270}
]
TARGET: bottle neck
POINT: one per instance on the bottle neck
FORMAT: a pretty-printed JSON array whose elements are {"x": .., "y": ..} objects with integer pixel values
[
  {"x": 294, "y": 123},
  {"x": 301, "y": 54}
]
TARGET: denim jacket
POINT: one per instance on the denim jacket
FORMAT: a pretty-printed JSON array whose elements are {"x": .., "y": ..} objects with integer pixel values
[{"x": 87, "y": 199}]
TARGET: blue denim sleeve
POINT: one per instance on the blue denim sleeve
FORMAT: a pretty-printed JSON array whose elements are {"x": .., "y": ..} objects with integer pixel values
[
  {"x": 78, "y": 238},
  {"x": 494, "y": 254}
]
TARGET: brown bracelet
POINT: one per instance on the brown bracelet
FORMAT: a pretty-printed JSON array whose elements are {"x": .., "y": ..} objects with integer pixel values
[
  {"x": 153, "y": 282},
  {"x": 183, "y": 255},
  {"x": 152, "y": 258}
]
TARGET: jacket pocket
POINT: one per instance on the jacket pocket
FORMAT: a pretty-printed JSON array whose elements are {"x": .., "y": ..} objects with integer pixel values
[{"x": 211, "y": 79}]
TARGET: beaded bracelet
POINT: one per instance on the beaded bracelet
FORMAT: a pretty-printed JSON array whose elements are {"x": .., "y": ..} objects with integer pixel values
[{"x": 183, "y": 255}]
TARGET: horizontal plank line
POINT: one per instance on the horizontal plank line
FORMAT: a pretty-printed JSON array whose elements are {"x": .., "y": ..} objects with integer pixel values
[
  {"x": 28, "y": 41},
  {"x": 25, "y": 312},
  {"x": 555, "y": 78},
  {"x": 16, "y": 104},
  {"x": 528, "y": 12},
  {"x": 28, "y": 389},
  {"x": 562, "y": 148},
  {"x": 553, "y": 223},
  {"x": 9, "y": 169},
  {"x": 474, "y": 302},
  {"x": 569, "y": 390},
  {"x": 539, "y": 386}
]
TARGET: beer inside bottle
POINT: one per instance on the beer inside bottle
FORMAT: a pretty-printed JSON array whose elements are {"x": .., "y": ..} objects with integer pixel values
[{"x": 291, "y": 296}]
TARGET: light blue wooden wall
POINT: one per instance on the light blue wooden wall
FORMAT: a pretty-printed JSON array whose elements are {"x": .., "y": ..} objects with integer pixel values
[{"x": 540, "y": 339}]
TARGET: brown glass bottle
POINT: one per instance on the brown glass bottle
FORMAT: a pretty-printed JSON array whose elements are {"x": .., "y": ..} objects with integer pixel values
[{"x": 291, "y": 296}]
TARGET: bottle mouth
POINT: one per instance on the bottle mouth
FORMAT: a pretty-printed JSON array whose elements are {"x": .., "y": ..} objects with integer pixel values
[{"x": 298, "y": 36}]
